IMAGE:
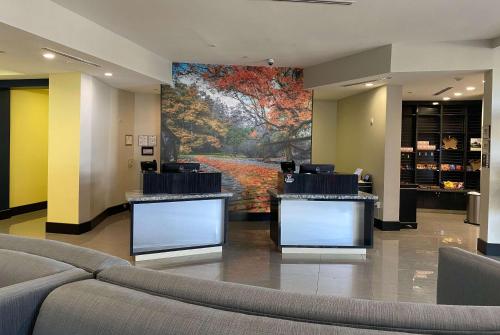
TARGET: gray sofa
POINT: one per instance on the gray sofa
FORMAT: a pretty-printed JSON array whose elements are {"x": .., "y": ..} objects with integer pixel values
[
  {"x": 30, "y": 269},
  {"x": 122, "y": 299}
]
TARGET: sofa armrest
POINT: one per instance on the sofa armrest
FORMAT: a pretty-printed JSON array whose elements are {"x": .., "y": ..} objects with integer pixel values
[
  {"x": 20, "y": 303},
  {"x": 465, "y": 278}
]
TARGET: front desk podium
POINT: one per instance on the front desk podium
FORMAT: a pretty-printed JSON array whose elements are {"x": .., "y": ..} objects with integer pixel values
[
  {"x": 178, "y": 214},
  {"x": 321, "y": 213}
]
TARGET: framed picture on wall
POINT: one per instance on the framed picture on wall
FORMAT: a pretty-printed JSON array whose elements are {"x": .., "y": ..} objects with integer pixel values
[
  {"x": 152, "y": 140},
  {"x": 129, "y": 140},
  {"x": 143, "y": 140},
  {"x": 147, "y": 151}
]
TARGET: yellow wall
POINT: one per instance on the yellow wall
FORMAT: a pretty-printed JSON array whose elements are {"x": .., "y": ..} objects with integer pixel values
[
  {"x": 324, "y": 132},
  {"x": 359, "y": 143},
  {"x": 64, "y": 148},
  {"x": 28, "y": 146}
]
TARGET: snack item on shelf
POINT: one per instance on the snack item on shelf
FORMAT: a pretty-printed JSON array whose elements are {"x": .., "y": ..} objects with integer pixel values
[
  {"x": 474, "y": 165},
  {"x": 453, "y": 185},
  {"x": 451, "y": 167},
  {"x": 450, "y": 143},
  {"x": 426, "y": 166},
  {"x": 406, "y": 149},
  {"x": 425, "y": 145}
]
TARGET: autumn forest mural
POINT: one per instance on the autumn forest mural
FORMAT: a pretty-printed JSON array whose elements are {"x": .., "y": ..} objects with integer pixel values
[{"x": 239, "y": 120}]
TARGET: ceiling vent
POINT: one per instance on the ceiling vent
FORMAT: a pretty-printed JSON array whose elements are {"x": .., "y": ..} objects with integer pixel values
[
  {"x": 442, "y": 91},
  {"x": 75, "y": 58},
  {"x": 322, "y": 2}
]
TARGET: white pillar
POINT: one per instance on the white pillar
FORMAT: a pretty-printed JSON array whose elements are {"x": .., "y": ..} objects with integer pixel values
[{"x": 489, "y": 236}]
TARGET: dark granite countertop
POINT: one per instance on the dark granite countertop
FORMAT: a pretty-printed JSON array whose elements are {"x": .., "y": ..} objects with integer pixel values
[
  {"x": 290, "y": 196},
  {"x": 138, "y": 196}
]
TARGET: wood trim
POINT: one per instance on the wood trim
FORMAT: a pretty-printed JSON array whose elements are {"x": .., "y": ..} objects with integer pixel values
[
  {"x": 4, "y": 150},
  {"x": 25, "y": 83},
  {"x": 78, "y": 229}
]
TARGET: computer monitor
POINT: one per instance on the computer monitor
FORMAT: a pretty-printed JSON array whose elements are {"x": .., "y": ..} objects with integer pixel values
[
  {"x": 317, "y": 168},
  {"x": 288, "y": 167},
  {"x": 149, "y": 166},
  {"x": 180, "y": 167}
]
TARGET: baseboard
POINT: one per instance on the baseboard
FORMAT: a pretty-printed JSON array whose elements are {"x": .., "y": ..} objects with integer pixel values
[
  {"x": 13, "y": 211},
  {"x": 387, "y": 225},
  {"x": 488, "y": 249},
  {"x": 247, "y": 216},
  {"x": 78, "y": 229}
]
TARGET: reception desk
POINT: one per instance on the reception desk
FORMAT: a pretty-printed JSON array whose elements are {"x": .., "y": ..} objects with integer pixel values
[
  {"x": 171, "y": 225},
  {"x": 322, "y": 223}
]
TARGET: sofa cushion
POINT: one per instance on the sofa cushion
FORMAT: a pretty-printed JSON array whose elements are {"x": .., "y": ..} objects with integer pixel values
[
  {"x": 405, "y": 317},
  {"x": 105, "y": 309},
  {"x": 465, "y": 278},
  {"x": 20, "y": 303},
  {"x": 90, "y": 260},
  {"x": 17, "y": 267}
]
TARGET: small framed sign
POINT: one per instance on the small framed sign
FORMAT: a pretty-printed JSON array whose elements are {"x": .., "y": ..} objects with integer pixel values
[
  {"x": 147, "y": 151},
  {"x": 129, "y": 140},
  {"x": 143, "y": 140},
  {"x": 152, "y": 140}
]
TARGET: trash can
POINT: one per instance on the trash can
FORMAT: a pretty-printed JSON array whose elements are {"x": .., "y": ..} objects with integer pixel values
[{"x": 473, "y": 207}]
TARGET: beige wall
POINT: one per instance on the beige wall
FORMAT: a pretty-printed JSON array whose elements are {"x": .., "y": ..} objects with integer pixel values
[
  {"x": 369, "y": 137},
  {"x": 324, "y": 132},
  {"x": 107, "y": 114},
  {"x": 147, "y": 121}
]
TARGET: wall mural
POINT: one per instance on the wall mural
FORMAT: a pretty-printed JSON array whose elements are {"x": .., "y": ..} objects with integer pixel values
[{"x": 239, "y": 120}]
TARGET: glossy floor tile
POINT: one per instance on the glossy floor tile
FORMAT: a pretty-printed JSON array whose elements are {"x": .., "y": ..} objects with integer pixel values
[{"x": 402, "y": 266}]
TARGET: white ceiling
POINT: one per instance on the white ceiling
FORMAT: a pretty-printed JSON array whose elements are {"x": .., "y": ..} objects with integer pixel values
[
  {"x": 294, "y": 34},
  {"x": 22, "y": 58},
  {"x": 416, "y": 86}
]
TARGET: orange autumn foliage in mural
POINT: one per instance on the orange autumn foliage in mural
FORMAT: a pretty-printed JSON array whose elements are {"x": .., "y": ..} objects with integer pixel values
[{"x": 273, "y": 97}]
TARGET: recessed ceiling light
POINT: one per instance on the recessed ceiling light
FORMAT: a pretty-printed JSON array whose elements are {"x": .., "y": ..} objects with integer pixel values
[
  {"x": 435, "y": 103},
  {"x": 457, "y": 94},
  {"x": 446, "y": 98},
  {"x": 369, "y": 84},
  {"x": 470, "y": 88},
  {"x": 49, "y": 55},
  {"x": 108, "y": 74},
  {"x": 484, "y": 81}
]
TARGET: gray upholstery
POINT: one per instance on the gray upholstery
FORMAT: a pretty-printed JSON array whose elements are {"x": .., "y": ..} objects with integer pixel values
[
  {"x": 105, "y": 309},
  {"x": 87, "y": 259},
  {"x": 406, "y": 317},
  {"x": 17, "y": 267},
  {"x": 20, "y": 303},
  {"x": 465, "y": 278}
]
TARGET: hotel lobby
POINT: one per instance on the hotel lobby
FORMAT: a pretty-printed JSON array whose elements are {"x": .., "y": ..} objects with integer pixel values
[{"x": 249, "y": 167}]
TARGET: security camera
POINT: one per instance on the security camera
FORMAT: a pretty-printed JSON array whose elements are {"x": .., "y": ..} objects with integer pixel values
[{"x": 270, "y": 61}]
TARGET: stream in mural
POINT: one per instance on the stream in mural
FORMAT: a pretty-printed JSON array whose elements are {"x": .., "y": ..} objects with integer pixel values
[{"x": 239, "y": 120}]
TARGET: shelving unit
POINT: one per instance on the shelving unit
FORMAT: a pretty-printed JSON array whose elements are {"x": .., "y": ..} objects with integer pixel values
[{"x": 423, "y": 121}]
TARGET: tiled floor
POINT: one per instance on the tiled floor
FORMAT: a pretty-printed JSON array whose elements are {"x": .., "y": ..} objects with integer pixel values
[{"x": 402, "y": 266}]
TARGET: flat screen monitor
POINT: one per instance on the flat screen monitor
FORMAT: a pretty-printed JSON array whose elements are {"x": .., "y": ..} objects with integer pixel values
[
  {"x": 288, "y": 167},
  {"x": 317, "y": 168},
  {"x": 180, "y": 167},
  {"x": 149, "y": 166}
]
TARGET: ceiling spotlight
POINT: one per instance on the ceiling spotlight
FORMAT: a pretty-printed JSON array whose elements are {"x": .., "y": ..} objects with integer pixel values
[
  {"x": 49, "y": 55},
  {"x": 470, "y": 88},
  {"x": 108, "y": 74},
  {"x": 457, "y": 94},
  {"x": 484, "y": 81},
  {"x": 446, "y": 98},
  {"x": 369, "y": 84},
  {"x": 435, "y": 103}
]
